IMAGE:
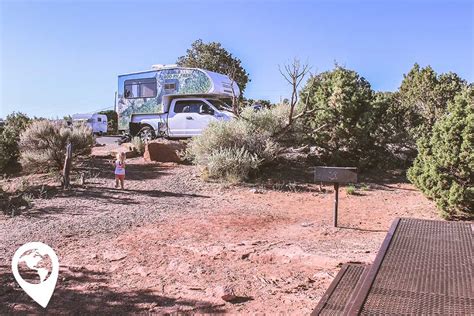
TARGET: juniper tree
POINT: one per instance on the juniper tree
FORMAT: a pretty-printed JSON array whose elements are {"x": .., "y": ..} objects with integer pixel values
[{"x": 443, "y": 169}]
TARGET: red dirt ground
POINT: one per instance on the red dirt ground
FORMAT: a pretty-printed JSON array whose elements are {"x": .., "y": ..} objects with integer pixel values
[{"x": 171, "y": 243}]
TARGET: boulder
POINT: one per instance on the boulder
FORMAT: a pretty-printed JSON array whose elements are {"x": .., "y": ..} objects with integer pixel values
[{"x": 163, "y": 150}]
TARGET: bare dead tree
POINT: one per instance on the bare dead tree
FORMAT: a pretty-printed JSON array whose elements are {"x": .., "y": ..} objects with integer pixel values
[
  {"x": 294, "y": 74},
  {"x": 305, "y": 110},
  {"x": 231, "y": 73}
]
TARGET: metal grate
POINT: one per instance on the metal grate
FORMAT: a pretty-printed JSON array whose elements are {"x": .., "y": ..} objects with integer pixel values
[
  {"x": 427, "y": 269},
  {"x": 337, "y": 296}
]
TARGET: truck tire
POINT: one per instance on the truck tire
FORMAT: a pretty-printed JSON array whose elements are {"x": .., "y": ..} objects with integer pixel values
[{"x": 146, "y": 134}]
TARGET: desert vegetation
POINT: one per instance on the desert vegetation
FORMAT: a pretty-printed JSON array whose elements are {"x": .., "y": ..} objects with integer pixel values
[
  {"x": 14, "y": 125},
  {"x": 43, "y": 144},
  {"x": 237, "y": 149},
  {"x": 443, "y": 169},
  {"x": 347, "y": 123},
  {"x": 331, "y": 118}
]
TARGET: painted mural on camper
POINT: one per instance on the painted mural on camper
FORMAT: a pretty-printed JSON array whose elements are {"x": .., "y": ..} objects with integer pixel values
[{"x": 137, "y": 96}]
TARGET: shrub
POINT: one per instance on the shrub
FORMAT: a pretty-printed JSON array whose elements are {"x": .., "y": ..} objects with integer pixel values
[
  {"x": 443, "y": 169},
  {"x": 351, "y": 190},
  {"x": 424, "y": 95},
  {"x": 342, "y": 105},
  {"x": 43, "y": 144},
  {"x": 138, "y": 145},
  {"x": 269, "y": 121},
  {"x": 233, "y": 150},
  {"x": 273, "y": 123},
  {"x": 232, "y": 164},
  {"x": 8, "y": 146},
  {"x": 15, "y": 123}
]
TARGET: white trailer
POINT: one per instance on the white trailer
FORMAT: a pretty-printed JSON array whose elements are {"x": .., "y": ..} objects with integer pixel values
[{"x": 97, "y": 122}]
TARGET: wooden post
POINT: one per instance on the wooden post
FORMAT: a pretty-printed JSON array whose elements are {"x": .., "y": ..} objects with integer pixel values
[
  {"x": 336, "y": 200},
  {"x": 67, "y": 167}
]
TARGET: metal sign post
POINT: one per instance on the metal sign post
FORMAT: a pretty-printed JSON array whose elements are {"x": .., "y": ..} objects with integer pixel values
[{"x": 335, "y": 175}]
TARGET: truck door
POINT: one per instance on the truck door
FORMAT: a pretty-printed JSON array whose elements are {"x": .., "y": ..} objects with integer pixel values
[
  {"x": 202, "y": 114},
  {"x": 191, "y": 117},
  {"x": 177, "y": 118}
]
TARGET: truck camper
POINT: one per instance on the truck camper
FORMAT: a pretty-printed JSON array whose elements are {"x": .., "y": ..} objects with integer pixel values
[{"x": 172, "y": 101}]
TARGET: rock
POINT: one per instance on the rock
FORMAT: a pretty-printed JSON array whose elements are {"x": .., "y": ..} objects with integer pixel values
[
  {"x": 227, "y": 293},
  {"x": 163, "y": 150},
  {"x": 245, "y": 256},
  {"x": 143, "y": 271},
  {"x": 309, "y": 280},
  {"x": 195, "y": 288},
  {"x": 114, "y": 255}
]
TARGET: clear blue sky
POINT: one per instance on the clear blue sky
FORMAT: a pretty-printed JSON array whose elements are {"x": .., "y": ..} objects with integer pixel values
[{"x": 63, "y": 57}]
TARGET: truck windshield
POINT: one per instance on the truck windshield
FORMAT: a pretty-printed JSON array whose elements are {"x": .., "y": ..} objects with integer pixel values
[{"x": 220, "y": 105}]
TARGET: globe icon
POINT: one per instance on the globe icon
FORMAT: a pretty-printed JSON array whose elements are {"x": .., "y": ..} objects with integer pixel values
[{"x": 34, "y": 266}]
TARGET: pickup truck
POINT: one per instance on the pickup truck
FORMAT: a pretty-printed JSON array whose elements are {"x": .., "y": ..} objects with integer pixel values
[{"x": 186, "y": 117}]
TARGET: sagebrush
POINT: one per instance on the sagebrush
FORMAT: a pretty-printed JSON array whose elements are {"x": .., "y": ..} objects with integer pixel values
[
  {"x": 43, "y": 144},
  {"x": 138, "y": 145},
  {"x": 232, "y": 164},
  {"x": 235, "y": 149}
]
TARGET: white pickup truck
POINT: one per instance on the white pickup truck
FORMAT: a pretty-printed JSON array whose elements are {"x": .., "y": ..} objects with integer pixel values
[{"x": 185, "y": 117}]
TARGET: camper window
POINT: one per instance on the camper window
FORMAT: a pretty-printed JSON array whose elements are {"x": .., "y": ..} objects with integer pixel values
[
  {"x": 140, "y": 88},
  {"x": 170, "y": 86},
  {"x": 99, "y": 119}
]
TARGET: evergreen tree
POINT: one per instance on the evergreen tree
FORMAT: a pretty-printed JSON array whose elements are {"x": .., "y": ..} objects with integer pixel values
[
  {"x": 424, "y": 95},
  {"x": 212, "y": 56},
  {"x": 443, "y": 169},
  {"x": 340, "y": 121}
]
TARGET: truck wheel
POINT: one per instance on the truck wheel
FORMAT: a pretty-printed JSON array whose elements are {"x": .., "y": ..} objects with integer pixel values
[{"x": 146, "y": 134}]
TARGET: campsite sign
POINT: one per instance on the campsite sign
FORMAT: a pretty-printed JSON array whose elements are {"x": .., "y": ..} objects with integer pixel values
[{"x": 335, "y": 175}]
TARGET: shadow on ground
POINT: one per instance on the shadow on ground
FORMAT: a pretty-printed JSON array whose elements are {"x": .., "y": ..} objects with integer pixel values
[
  {"x": 103, "y": 168},
  {"x": 101, "y": 192},
  {"x": 104, "y": 195},
  {"x": 363, "y": 229},
  {"x": 299, "y": 177},
  {"x": 84, "y": 291}
]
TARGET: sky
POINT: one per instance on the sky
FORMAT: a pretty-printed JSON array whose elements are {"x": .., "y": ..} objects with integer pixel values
[{"x": 63, "y": 57}]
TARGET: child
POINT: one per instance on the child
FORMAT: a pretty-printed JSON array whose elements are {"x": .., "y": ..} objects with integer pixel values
[{"x": 120, "y": 170}]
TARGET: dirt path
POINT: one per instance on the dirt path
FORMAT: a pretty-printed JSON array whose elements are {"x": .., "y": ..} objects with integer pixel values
[{"x": 172, "y": 243}]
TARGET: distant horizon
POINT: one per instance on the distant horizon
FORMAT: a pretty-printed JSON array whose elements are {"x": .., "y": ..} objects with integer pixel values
[{"x": 59, "y": 59}]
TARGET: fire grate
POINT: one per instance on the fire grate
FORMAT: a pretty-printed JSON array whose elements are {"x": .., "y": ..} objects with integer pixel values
[
  {"x": 342, "y": 287},
  {"x": 424, "y": 267}
]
